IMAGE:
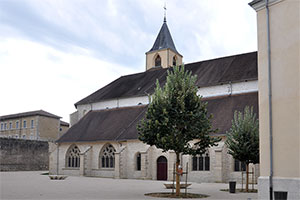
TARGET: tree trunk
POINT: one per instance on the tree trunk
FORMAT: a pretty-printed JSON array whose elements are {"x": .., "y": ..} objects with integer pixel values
[
  {"x": 247, "y": 176},
  {"x": 177, "y": 175}
]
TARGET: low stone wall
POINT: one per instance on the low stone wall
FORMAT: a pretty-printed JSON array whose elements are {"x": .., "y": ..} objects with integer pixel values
[{"x": 23, "y": 155}]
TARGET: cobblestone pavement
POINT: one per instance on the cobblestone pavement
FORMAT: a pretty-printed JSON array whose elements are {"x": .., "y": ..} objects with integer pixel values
[{"x": 33, "y": 185}]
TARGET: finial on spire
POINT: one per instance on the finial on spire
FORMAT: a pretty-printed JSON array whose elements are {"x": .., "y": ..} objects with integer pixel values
[{"x": 165, "y": 8}]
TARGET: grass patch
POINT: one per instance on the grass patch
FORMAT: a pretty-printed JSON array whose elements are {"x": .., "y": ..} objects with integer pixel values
[
  {"x": 45, "y": 173},
  {"x": 173, "y": 195},
  {"x": 241, "y": 190}
]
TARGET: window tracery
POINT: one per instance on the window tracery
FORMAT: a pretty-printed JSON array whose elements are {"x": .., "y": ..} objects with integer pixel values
[
  {"x": 201, "y": 162},
  {"x": 73, "y": 157},
  {"x": 107, "y": 157}
]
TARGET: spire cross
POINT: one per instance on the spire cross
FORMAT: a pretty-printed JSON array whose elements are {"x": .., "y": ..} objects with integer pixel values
[{"x": 165, "y": 11}]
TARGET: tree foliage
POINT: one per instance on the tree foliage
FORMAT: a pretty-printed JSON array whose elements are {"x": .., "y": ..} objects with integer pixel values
[
  {"x": 176, "y": 115},
  {"x": 243, "y": 137}
]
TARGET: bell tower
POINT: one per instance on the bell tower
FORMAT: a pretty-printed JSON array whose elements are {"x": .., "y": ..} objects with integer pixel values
[{"x": 163, "y": 53}]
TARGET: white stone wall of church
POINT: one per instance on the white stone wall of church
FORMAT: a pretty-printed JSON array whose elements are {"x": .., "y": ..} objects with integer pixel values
[
  {"x": 170, "y": 156},
  {"x": 114, "y": 103},
  {"x": 226, "y": 165},
  {"x": 82, "y": 110},
  {"x": 132, "y": 148},
  {"x": 134, "y": 101},
  {"x": 96, "y": 169},
  {"x": 63, "y": 148},
  {"x": 226, "y": 89},
  {"x": 212, "y": 91},
  {"x": 201, "y": 176},
  {"x": 127, "y": 165}
]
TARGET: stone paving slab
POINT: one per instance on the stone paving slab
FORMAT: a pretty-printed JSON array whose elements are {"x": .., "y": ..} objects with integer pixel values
[{"x": 33, "y": 185}]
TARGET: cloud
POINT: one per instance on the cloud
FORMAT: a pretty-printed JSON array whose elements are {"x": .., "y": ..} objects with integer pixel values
[
  {"x": 54, "y": 53},
  {"x": 45, "y": 78}
]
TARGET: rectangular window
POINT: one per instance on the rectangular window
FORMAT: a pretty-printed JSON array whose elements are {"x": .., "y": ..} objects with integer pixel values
[
  {"x": 239, "y": 166},
  {"x": 138, "y": 162},
  {"x": 17, "y": 124},
  {"x": 24, "y": 124},
  {"x": 32, "y": 123},
  {"x": 10, "y": 125},
  {"x": 2, "y": 126},
  {"x": 201, "y": 163},
  {"x": 5, "y": 126},
  {"x": 194, "y": 161},
  {"x": 206, "y": 163}
]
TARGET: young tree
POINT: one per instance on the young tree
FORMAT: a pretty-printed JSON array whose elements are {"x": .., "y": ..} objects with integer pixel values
[
  {"x": 176, "y": 116},
  {"x": 243, "y": 139}
]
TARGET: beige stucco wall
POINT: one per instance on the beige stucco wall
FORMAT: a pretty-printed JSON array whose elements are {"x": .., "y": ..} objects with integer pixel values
[
  {"x": 48, "y": 128},
  {"x": 284, "y": 34},
  {"x": 27, "y": 132},
  {"x": 63, "y": 129},
  {"x": 44, "y": 128},
  {"x": 166, "y": 56}
]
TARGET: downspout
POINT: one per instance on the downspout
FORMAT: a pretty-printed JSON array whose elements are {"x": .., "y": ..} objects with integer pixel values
[{"x": 270, "y": 102}]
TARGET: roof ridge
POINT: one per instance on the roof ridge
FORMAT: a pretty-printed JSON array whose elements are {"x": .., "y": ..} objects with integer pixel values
[
  {"x": 220, "y": 58},
  {"x": 29, "y": 113}
]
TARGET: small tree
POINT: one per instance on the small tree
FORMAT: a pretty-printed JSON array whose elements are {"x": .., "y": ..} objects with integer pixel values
[
  {"x": 176, "y": 116},
  {"x": 243, "y": 139}
]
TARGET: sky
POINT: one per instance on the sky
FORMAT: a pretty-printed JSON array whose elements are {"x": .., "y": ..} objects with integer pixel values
[{"x": 54, "y": 53}]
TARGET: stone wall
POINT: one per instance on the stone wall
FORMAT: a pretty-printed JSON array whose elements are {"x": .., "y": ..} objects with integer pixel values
[
  {"x": 221, "y": 163},
  {"x": 23, "y": 155}
]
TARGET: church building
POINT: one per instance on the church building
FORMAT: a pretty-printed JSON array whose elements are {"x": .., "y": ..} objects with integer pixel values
[{"x": 103, "y": 140}]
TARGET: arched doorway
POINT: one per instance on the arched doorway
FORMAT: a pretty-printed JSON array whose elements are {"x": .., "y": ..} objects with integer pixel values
[{"x": 162, "y": 168}]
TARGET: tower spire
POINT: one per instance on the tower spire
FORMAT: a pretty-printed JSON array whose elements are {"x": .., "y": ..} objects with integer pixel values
[{"x": 165, "y": 13}]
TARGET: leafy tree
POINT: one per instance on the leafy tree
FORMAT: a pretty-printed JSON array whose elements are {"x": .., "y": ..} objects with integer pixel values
[
  {"x": 243, "y": 139},
  {"x": 176, "y": 116}
]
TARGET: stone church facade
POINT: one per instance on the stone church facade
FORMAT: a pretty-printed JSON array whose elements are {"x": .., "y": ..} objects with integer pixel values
[{"x": 103, "y": 140}]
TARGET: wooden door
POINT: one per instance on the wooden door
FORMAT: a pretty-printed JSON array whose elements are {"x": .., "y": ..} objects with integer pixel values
[{"x": 162, "y": 168}]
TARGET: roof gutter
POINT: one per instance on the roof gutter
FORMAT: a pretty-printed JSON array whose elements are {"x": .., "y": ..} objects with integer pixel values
[{"x": 270, "y": 102}]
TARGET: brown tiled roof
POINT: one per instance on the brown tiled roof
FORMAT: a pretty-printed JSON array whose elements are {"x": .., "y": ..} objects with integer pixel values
[
  {"x": 31, "y": 113},
  {"x": 218, "y": 71},
  {"x": 106, "y": 125},
  {"x": 120, "y": 123},
  {"x": 223, "y": 109},
  {"x": 62, "y": 123}
]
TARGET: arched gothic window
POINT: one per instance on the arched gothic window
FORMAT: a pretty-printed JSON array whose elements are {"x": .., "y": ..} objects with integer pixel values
[
  {"x": 73, "y": 157},
  {"x": 201, "y": 162},
  {"x": 157, "y": 61},
  {"x": 107, "y": 156},
  {"x": 138, "y": 161},
  {"x": 174, "y": 61}
]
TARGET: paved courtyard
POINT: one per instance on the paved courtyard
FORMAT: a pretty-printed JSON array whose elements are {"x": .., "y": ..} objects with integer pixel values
[{"x": 33, "y": 185}]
